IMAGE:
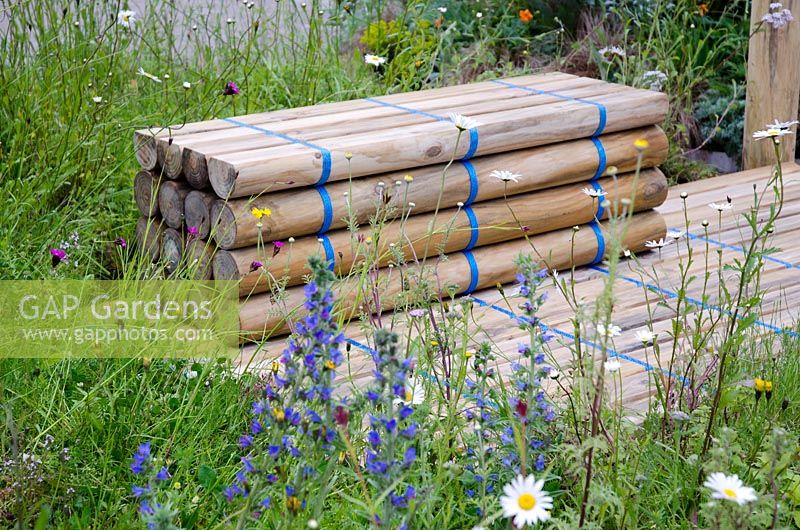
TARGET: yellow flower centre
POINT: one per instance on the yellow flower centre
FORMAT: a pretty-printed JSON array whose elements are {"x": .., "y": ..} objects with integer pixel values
[
  {"x": 330, "y": 365},
  {"x": 729, "y": 493},
  {"x": 526, "y": 501},
  {"x": 409, "y": 395}
]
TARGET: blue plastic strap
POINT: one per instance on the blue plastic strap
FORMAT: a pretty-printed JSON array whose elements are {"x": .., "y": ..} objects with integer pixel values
[
  {"x": 601, "y": 158},
  {"x": 473, "y": 143},
  {"x": 473, "y": 133},
  {"x": 473, "y": 223},
  {"x": 601, "y": 122},
  {"x": 326, "y": 154},
  {"x": 327, "y": 209},
  {"x": 700, "y": 303},
  {"x": 598, "y": 188},
  {"x": 473, "y": 182},
  {"x": 407, "y": 109},
  {"x": 601, "y": 243},
  {"x": 473, "y": 272},
  {"x": 326, "y": 245}
]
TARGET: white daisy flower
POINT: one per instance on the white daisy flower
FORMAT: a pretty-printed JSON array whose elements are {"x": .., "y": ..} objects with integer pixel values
[
  {"x": 526, "y": 501},
  {"x": 646, "y": 336},
  {"x": 782, "y": 124},
  {"x": 661, "y": 243},
  {"x": 675, "y": 234},
  {"x": 478, "y": 15},
  {"x": 463, "y": 123},
  {"x": 771, "y": 132},
  {"x": 729, "y": 488},
  {"x": 415, "y": 394},
  {"x": 98, "y": 99},
  {"x": 591, "y": 192},
  {"x": 442, "y": 9},
  {"x": 609, "y": 331},
  {"x": 612, "y": 365},
  {"x": 611, "y": 50},
  {"x": 374, "y": 60},
  {"x": 187, "y": 85},
  {"x": 149, "y": 76},
  {"x": 126, "y": 18},
  {"x": 504, "y": 175},
  {"x": 720, "y": 207}
]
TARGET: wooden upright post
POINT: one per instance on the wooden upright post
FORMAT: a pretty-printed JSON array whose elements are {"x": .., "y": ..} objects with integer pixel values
[{"x": 773, "y": 82}]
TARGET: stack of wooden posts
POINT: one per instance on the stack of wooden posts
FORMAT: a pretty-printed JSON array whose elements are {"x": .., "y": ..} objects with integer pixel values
[{"x": 316, "y": 176}]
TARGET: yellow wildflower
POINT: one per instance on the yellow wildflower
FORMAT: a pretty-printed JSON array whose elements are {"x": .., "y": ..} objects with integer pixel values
[
  {"x": 641, "y": 144},
  {"x": 258, "y": 213},
  {"x": 279, "y": 415}
]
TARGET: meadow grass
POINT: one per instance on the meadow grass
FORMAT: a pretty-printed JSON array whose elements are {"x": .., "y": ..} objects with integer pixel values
[{"x": 73, "y": 98}]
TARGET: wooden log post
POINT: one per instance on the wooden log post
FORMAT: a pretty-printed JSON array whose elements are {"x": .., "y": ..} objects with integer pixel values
[
  {"x": 149, "y": 231},
  {"x": 172, "y": 249},
  {"x": 145, "y": 192},
  {"x": 299, "y": 212},
  {"x": 197, "y": 211},
  {"x": 263, "y": 316},
  {"x": 418, "y": 237},
  {"x": 171, "y": 200},
  {"x": 773, "y": 82}
]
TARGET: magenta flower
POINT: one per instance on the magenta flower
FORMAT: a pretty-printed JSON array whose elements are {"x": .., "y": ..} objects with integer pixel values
[
  {"x": 230, "y": 89},
  {"x": 58, "y": 256},
  {"x": 193, "y": 232},
  {"x": 254, "y": 266},
  {"x": 120, "y": 241},
  {"x": 278, "y": 244}
]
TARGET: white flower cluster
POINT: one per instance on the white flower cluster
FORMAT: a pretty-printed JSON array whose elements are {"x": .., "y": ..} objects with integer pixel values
[
  {"x": 777, "y": 16},
  {"x": 654, "y": 79}
]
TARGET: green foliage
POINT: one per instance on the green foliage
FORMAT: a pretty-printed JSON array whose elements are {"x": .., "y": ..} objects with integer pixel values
[{"x": 721, "y": 118}]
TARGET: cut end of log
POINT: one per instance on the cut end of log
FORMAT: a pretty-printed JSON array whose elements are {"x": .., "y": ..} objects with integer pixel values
[
  {"x": 145, "y": 193},
  {"x": 172, "y": 164},
  {"x": 223, "y": 223},
  {"x": 149, "y": 232},
  {"x": 171, "y": 197},
  {"x": 171, "y": 249},
  {"x": 222, "y": 177},
  {"x": 224, "y": 266},
  {"x": 199, "y": 256},
  {"x": 197, "y": 212},
  {"x": 195, "y": 168},
  {"x": 144, "y": 144}
]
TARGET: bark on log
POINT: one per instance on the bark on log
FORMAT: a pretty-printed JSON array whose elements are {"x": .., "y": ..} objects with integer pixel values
[{"x": 145, "y": 192}]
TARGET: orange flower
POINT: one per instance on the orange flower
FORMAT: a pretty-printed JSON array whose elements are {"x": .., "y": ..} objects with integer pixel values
[
  {"x": 702, "y": 9},
  {"x": 438, "y": 23},
  {"x": 525, "y": 15}
]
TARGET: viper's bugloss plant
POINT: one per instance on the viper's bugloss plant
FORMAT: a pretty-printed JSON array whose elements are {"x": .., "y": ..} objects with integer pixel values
[
  {"x": 525, "y": 439},
  {"x": 391, "y": 448},
  {"x": 156, "y": 511},
  {"x": 290, "y": 443}
]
